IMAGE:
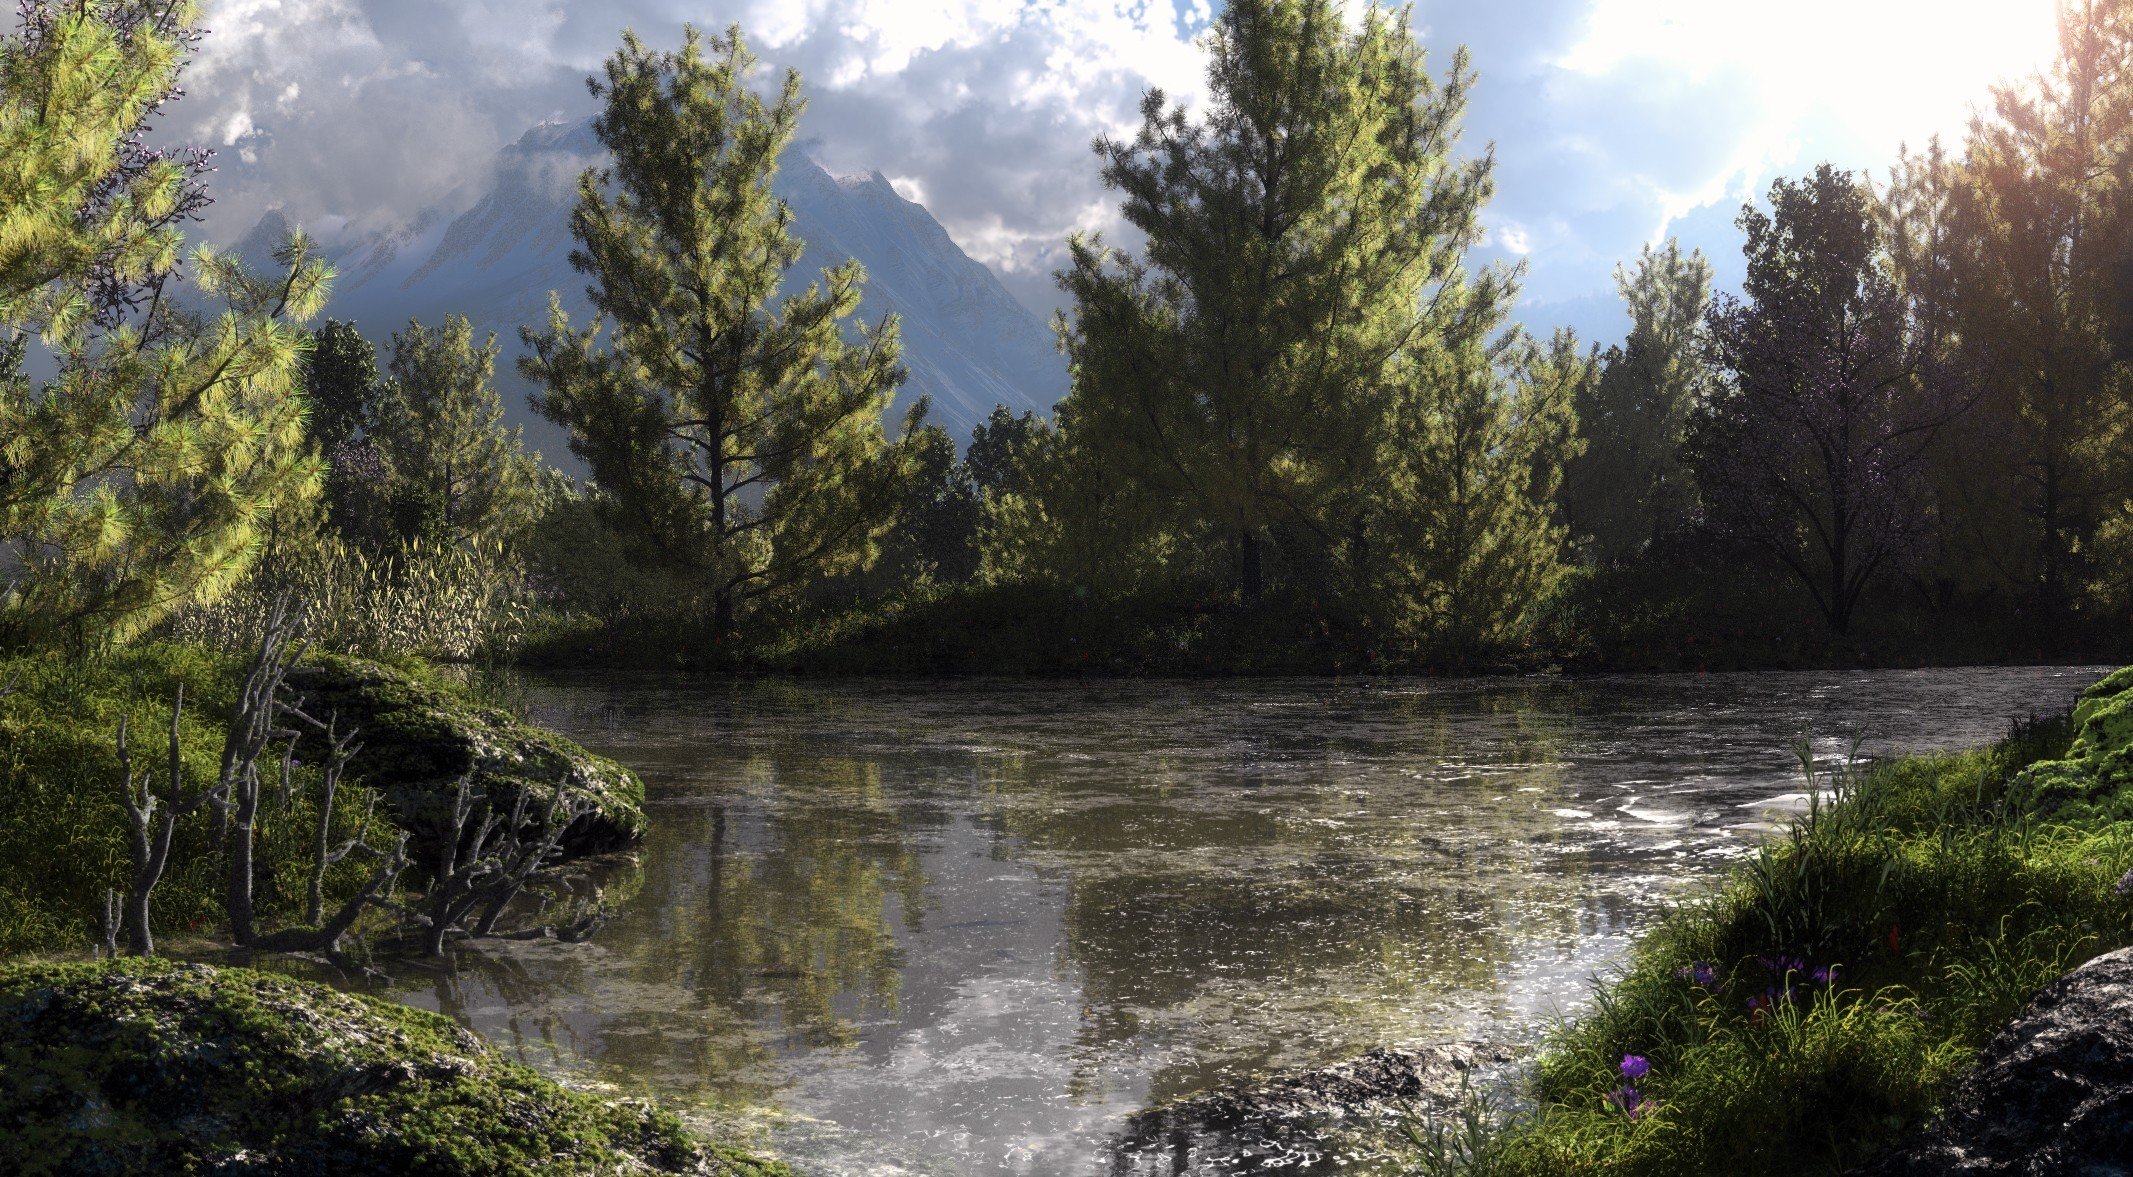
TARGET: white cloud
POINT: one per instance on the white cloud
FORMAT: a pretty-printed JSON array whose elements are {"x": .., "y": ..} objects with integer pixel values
[{"x": 1612, "y": 119}]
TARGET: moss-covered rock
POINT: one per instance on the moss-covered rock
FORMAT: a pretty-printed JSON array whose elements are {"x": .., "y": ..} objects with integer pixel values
[
  {"x": 420, "y": 735},
  {"x": 2094, "y": 780},
  {"x": 146, "y": 1066}
]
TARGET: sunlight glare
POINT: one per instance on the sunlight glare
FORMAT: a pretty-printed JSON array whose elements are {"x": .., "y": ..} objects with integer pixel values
[{"x": 1889, "y": 71}]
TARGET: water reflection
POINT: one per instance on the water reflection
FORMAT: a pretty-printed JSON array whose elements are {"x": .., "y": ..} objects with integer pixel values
[{"x": 969, "y": 928}]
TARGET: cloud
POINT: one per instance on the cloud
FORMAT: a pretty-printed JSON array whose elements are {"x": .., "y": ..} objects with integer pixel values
[{"x": 1613, "y": 121}]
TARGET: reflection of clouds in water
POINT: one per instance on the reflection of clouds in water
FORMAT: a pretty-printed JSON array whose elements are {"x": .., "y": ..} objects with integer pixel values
[{"x": 968, "y": 928}]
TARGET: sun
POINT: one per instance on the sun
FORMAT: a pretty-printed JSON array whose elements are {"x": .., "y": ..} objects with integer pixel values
[{"x": 1886, "y": 71}]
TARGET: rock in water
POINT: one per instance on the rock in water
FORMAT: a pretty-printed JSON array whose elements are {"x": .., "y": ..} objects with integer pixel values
[
  {"x": 419, "y": 737},
  {"x": 1303, "y": 1122},
  {"x": 146, "y": 1066},
  {"x": 2051, "y": 1094}
]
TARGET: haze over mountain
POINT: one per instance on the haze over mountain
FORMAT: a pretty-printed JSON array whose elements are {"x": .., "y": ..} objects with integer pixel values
[{"x": 968, "y": 343}]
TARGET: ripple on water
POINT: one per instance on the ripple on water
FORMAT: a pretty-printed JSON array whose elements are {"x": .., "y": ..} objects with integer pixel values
[{"x": 969, "y": 928}]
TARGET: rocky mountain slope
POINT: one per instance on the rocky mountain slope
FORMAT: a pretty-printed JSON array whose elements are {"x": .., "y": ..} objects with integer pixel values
[{"x": 968, "y": 343}]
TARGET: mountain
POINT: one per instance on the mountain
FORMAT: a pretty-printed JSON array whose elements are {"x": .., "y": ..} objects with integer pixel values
[{"x": 968, "y": 343}]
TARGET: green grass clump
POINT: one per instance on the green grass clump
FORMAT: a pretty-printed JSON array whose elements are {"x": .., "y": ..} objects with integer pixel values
[
  {"x": 63, "y": 830},
  {"x": 145, "y": 1066},
  {"x": 1821, "y": 1003}
]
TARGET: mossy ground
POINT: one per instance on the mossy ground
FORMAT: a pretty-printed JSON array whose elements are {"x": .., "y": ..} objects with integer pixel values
[
  {"x": 63, "y": 830},
  {"x": 1820, "y": 1004},
  {"x": 146, "y": 1066},
  {"x": 420, "y": 734}
]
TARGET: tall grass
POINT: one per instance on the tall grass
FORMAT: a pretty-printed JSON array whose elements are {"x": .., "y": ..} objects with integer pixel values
[
  {"x": 453, "y": 603},
  {"x": 1821, "y": 1001}
]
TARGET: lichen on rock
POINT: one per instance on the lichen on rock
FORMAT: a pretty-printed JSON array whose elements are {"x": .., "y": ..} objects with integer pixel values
[
  {"x": 2051, "y": 1093},
  {"x": 419, "y": 736},
  {"x": 147, "y": 1066}
]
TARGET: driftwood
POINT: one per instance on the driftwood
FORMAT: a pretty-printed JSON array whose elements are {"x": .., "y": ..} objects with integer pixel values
[{"x": 154, "y": 819}]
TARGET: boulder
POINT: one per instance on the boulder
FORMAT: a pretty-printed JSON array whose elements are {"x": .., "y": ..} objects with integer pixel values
[
  {"x": 1320, "y": 1120},
  {"x": 420, "y": 735},
  {"x": 147, "y": 1066},
  {"x": 2051, "y": 1094}
]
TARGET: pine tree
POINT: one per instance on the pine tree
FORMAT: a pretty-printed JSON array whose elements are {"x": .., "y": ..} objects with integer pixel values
[
  {"x": 344, "y": 386},
  {"x": 440, "y": 431},
  {"x": 1302, "y": 236},
  {"x": 2036, "y": 224},
  {"x": 136, "y": 479},
  {"x": 1466, "y": 545},
  {"x": 741, "y": 442},
  {"x": 1627, "y": 486}
]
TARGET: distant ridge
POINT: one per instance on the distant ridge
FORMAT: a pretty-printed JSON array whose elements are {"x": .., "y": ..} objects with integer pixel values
[{"x": 968, "y": 343}]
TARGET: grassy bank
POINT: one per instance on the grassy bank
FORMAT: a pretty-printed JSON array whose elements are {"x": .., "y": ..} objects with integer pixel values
[
  {"x": 1821, "y": 1002},
  {"x": 63, "y": 827}
]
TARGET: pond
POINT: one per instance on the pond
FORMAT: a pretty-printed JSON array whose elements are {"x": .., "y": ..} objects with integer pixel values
[{"x": 969, "y": 928}]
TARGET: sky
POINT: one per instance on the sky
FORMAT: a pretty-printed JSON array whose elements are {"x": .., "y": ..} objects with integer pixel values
[{"x": 1614, "y": 122}]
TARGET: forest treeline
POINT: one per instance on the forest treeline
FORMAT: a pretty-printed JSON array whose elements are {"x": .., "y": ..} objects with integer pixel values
[{"x": 1303, "y": 430}]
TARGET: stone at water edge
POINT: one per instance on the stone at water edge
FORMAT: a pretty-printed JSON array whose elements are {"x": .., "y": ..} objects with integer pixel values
[
  {"x": 148, "y": 1066},
  {"x": 2052, "y": 1093},
  {"x": 419, "y": 736}
]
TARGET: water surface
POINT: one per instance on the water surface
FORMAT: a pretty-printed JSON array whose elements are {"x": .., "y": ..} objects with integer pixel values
[{"x": 968, "y": 928}]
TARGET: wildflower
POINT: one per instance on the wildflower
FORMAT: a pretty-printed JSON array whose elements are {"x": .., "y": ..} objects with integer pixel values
[
  {"x": 1784, "y": 964},
  {"x": 1895, "y": 940},
  {"x": 1824, "y": 975},
  {"x": 2125, "y": 884},
  {"x": 1632, "y": 1103},
  {"x": 1699, "y": 974},
  {"x": 1635, "y": 1067}
]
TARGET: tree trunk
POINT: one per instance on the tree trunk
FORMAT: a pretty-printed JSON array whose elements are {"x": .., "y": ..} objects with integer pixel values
[
  {"x": 722, "y": 619},
  {"x": 239, "y": 901}
]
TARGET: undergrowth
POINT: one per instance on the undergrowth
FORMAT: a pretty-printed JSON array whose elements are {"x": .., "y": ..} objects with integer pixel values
[
  {"x": 1821, "y": 1001},
  {"x": 63, "y": 829}
]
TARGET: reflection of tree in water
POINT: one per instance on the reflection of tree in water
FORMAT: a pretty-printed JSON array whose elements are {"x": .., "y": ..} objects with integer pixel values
[
  {"x": 761, "y": 928},
  {"x": 1247, "y": 915},
  {"x": 779, "y": 911}
]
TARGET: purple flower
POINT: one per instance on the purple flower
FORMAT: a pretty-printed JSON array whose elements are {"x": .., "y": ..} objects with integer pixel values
[
  {"x": 1635, "y": 1067},
  {"x": 1825, "y": 975},
  {"x": 1699, "y": 974},
  {"x": 1629, "y": 1100},
  {"x": 2125, "y": 884},
  {"x": 1784, "y": 964}
]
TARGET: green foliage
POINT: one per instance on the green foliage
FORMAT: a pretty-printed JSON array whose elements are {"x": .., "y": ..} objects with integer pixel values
[
  {"x": 70, "y": 94},
  {"x": 63, "y": 829},
  {"x": 457, "y": 474},
  {"x": 933, "y": 539},
  {"x": 741, "y": 446},
  {"x": 342, "y": 381},
  {"x": 2017, "y": 242},
  {"x": 139, "y": 477},
  {"x": 146, "y": 1066},
  {"x": 1626, "y": 487},
  {"x": 1303, "y": 259},
  {"x": 1467, "y": 544},
  {"x": 1944, "y": 900}
]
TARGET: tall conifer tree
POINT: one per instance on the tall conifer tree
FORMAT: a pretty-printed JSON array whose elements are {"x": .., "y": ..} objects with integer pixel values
[
  {"x": 737, "y": 436},
  {"x": 1302, "y": 234},
  {"x": 440, "y": 429},
  {"x": 1628, "y": 485}
]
